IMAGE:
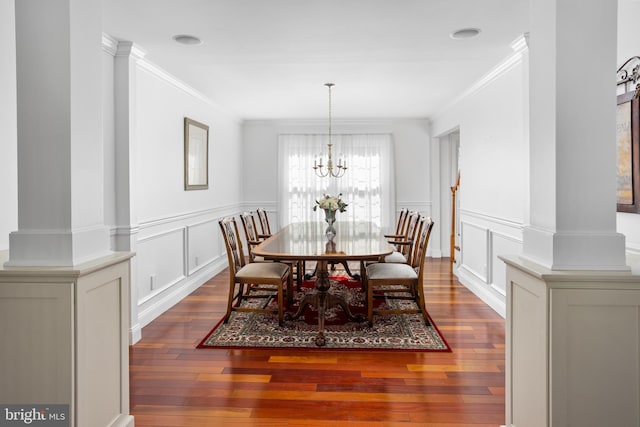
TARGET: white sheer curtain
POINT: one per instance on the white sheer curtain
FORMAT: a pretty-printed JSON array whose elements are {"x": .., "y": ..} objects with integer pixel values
[{"x": 367, "y": 186}]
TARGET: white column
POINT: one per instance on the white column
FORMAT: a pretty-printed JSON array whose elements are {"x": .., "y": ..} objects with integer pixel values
[
  {"x": 8, "y": 146},
  {"x": 127, "y": 56},
  {"x": 60, "y": 170},
  {"x": 578, "y": 286},
  {"x": 572, "y": 149}
]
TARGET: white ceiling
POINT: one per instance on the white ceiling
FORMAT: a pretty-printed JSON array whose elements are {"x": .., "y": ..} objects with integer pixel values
[{"x": 268, "y": 59}]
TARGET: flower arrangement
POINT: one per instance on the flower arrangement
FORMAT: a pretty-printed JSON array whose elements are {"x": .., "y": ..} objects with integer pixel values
[{"x": 332, "y": 203}]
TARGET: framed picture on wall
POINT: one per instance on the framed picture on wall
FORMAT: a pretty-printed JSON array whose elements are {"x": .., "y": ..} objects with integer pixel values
[
  {"x": 628, "y": 153},
  {"x": 196, "y": 155}
]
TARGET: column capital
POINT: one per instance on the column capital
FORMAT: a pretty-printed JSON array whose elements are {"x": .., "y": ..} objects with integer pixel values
[{"x": 127, "y": 48}]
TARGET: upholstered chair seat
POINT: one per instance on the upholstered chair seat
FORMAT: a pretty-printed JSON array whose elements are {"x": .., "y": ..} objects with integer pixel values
[
  {"x": 256, "y": 271},
  {"x": 383, "y": 271},
  {"x": 400, "y": 280},
  {"x": 396, "y": 256}
]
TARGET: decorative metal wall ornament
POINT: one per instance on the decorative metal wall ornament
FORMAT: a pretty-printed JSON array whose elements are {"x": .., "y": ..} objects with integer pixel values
[
  {"x": 629, "y": 73},
  {"x": 628, "y": 136}
]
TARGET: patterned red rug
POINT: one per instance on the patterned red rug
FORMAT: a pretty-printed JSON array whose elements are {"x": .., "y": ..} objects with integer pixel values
[{"x": 406, "y": 332}]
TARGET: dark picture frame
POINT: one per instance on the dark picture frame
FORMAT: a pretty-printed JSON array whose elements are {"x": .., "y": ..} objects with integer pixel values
[
  {"x": 628, "y": 153},
  {"x": 196, "y": 155}
]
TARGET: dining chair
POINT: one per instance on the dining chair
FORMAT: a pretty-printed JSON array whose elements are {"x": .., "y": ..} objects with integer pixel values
[
  {"x": 253, "y": 280},
  {"x": 402, "y": 241},
  {"x": 251, "y": 235},
  {"x": 398, "y": 281},
  {"x": 263, "y": 220},
  {"x": 400, "y": 223},
  {"x": 404, "y": 244},
  {"x": 254, "y": 238}
]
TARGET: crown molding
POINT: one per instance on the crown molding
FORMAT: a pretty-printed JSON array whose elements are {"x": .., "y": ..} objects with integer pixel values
[
  {"x": 520, "y": 47},
  {"x": 383, "y": 125},
  {"x": 169, "y": 78},
  {"x": 130, "y": 49},
  {"x": 121, "y": 48},
  {"x": 109, "y": 44}
]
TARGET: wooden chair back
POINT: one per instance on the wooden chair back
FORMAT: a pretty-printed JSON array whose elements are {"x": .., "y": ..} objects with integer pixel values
[
  {"x": 263, "y": 219},
  {"x": 412, "y": 224},
  {"x": 232, "y": 242},
  {"x": 421, "y": 247},
  {"x": 250, "y": 233},
  {"x": 400, "y": 224}
]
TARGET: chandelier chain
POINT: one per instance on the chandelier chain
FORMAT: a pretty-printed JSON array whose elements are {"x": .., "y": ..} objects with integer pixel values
[{"x": 341, "y": 167}]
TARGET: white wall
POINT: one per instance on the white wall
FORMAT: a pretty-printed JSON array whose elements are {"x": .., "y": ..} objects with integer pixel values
[
  {"x": 161, "y": 108},
  {"x": 412, "y": 160},
  {"x": 8, "y": 127},
  {"x": 493, "y": 186},
  {"x": 176, "y": 236}
]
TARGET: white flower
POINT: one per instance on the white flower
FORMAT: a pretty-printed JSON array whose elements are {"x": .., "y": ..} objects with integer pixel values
[{"x": 333, "y": 203}]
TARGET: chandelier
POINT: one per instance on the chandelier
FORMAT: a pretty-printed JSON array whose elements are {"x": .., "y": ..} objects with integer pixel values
[{"x": 329, "y": 169}]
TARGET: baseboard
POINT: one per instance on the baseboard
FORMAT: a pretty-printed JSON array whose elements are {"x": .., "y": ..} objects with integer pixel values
[
  {"x": 135, "y": 333},
  {"x": 482, "y": 290},
  {"x": 434, "y": 253},
  {"x": 180, "y": 291}
]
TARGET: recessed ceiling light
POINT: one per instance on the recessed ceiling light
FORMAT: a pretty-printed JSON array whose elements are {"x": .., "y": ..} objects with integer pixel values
[
  {"x": 465, "y": 33},
  {"x": 187, "y": 39}
]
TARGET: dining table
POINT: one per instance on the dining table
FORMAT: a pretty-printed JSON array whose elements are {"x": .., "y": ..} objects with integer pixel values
[{"x": 307, "y": 241}]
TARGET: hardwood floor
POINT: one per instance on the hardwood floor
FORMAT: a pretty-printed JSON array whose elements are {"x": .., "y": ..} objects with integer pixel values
[{"x": 173, "y": 384}]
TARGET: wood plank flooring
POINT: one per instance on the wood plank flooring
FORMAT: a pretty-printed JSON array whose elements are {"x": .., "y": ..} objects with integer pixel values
[{"x": 173, "y": 384}]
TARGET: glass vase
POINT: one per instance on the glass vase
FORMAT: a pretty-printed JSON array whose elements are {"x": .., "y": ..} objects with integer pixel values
[{"x": 330, "y": 218}]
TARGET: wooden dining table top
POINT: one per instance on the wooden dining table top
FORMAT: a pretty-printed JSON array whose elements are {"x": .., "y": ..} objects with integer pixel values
[{"x": 359, "y": 240}]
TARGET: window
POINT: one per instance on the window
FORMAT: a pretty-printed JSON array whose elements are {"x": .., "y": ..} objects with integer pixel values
[{"x": 367, "y": 186}]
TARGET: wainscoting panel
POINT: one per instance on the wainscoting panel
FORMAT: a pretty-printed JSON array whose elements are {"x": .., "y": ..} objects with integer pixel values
[
  {"x": 154, "y": 276},
  {"x": 176, "y": 255},
  {"x": 203, "y": 245},
  {"x": 474, "y": 257},
  {"x": 501, "y": 244},
  {"x": 482, "y": 239}
]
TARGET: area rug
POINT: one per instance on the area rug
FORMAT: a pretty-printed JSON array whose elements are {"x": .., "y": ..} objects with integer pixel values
[{"x": 405, "y": 332}]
